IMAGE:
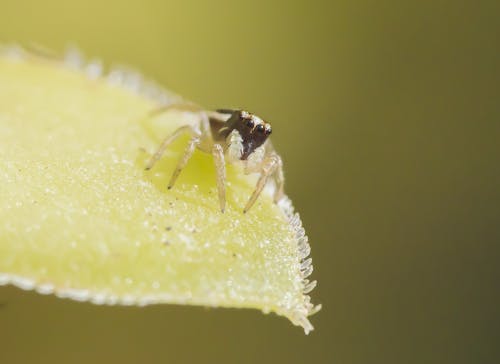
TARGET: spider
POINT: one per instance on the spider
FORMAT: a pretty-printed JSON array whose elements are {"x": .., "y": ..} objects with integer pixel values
[{"x": 235, "y": 136}]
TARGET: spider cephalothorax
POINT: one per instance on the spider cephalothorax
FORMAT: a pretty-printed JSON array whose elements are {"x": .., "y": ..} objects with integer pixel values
[
  {"x": 232, "y": 135},
  {"x": 252, "y": 130}
]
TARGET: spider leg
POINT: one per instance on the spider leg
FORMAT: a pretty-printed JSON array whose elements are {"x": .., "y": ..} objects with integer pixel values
[
  {"x": 279, "y": 178},
  {"x": 176, "y": 106},
  {"x": 220, "y": 169},
  {"x": 269, "y": 166},
  {"x": 183, "y": 161},
  {"x": 166, "y": 142}
]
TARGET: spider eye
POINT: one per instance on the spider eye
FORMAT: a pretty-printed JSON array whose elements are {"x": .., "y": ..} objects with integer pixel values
[
  {"x": 260, "y": 128},
  {"x": 268, "y": 130},
  {"x": 250, "y": 123}
]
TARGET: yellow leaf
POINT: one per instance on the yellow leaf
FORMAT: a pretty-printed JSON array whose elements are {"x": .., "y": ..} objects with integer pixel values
[{"x": 81, "y": 218}]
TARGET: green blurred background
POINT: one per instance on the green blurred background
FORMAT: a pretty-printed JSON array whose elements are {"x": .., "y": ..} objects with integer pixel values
[{"x": 386, "y": 113}]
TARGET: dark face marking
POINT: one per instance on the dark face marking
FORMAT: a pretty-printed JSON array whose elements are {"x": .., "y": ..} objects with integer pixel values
[
  {"x": 253, "y": 130},
  {"x": 249, "y": 123}
]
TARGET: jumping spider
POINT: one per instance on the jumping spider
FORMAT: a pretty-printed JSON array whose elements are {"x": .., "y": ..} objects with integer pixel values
[{"x": 233, "y": 135}]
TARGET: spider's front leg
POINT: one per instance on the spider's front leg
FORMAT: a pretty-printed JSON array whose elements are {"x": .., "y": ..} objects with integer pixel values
[
  {"x": 220, "y": 171},
  {"x": 270, "y": 165},
  {"x": 279, "y": 178}
]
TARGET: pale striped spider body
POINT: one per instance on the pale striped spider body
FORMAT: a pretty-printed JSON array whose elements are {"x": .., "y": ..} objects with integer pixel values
[{"x": 232, "y": 136}]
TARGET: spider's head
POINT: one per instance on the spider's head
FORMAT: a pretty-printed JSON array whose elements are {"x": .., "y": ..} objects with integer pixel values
[{"x": 252, "y": 129}]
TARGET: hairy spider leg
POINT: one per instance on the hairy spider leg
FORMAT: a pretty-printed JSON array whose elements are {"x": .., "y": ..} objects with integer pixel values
[
  {"x": 268, "y": 168},
  {"x": 176, "y": 106},
  {"x": 188, "y": 153},
  {"x": 166, "y": 142},
  {"x": 279, "y": 179},
  {"x": 220, "y": 171}
]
